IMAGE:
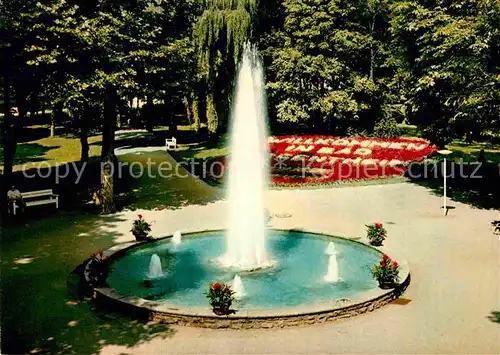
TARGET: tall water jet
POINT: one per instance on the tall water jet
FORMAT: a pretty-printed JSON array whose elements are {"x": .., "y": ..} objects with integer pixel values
[
  {"x": 237, "y": 286},
  {"x": 155, "y": 269},
  {"x": 176, "y": 238},
  {"x": 248, "y": 168}
]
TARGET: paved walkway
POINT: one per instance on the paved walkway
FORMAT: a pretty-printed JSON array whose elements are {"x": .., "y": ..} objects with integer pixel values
[{"x": 454, "y": 262}]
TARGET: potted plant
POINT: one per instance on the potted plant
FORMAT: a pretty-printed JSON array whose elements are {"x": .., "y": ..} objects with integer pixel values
[
  {"x": 220, "y": 298},
  {"x": 386, "y": 272},
  {"x": 376, "y": 234},
  {"x": 98, "y": 268},
  {"x": 140, "y": 228}
]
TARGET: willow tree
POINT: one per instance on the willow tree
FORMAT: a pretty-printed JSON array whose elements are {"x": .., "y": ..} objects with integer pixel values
[{"x": 220, "y": 34}]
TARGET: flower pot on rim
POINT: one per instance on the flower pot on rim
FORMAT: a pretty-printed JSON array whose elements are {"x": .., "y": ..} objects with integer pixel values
[
  {"x": 387, "y": 285},
  {"x": 139, "y": 236},
  {"x": 221, "y": 311}
]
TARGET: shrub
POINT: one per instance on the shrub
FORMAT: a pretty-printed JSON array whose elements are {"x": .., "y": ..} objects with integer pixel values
[
  {"x": 387, "y": 127},
  {"x": 376, "y": 234},
  {"x": 387, "y": 271}
]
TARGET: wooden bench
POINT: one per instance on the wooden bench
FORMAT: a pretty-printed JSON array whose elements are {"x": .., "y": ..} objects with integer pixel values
[
  {"x": 171, "y": 143},
  {"x": 36, "y": 198}
]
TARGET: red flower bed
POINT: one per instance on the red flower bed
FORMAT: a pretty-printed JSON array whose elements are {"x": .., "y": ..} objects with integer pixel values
[
  {"x": 320, "y": 159},
  {"x": 317, "y": 159}
]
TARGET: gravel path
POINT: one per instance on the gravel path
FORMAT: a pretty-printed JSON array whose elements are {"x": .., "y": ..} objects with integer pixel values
[{"x": 454, "y": 261}]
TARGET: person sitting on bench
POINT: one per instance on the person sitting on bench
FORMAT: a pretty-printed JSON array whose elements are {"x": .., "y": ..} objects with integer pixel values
[{"x": 14, "y": 196}]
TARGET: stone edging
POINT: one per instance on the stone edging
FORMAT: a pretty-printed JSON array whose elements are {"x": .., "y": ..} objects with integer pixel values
[{"x": 250, "y": 319}]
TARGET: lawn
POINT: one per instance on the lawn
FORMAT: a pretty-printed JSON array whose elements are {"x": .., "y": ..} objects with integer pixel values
[
  {"x": 37, "y": 149},
  {"x": 42, "y": 310}
]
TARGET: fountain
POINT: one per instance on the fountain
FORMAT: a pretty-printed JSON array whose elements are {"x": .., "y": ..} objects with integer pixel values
[
  {"x": 176, "y": 238},
  {"x": 155, "y": 269},
  {"x": 237, "y": 285},
  {"x": 248, "y": 169},
  {"x": 294, "y": 289}
]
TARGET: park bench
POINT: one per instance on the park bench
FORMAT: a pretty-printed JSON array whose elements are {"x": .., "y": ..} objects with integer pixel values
[
  {"x": 171, "y": 143},
  {"x": 36, "y": 198}
]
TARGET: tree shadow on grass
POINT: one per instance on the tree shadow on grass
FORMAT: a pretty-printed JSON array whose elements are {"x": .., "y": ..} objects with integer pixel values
[
  {"x": 74, "y": 183},
  {"x": 40, "y": 314},
  {"x": 172, "y": 188},
  {"x": 28, "y": 153},
  {"x": 30, "y": 133}
]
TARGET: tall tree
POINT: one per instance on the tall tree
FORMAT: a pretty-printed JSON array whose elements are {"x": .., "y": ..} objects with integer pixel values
[
  {"x": 448, "y": 55},
  {"x": 220, "y": 35},
  {"x": 325, "y": 64},
  {"x": 17, "y": 79}
]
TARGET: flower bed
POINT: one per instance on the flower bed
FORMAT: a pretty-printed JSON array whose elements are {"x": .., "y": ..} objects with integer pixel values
[
  {"x": 317, "y": 159},
  {"x": 322, "y": 159}
]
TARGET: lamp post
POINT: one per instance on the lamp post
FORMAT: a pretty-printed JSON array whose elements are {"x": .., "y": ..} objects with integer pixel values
[{"x": 444, "y": 153}]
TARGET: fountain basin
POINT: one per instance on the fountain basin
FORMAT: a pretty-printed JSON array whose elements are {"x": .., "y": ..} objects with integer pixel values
[{"x": 278, "y": 299}]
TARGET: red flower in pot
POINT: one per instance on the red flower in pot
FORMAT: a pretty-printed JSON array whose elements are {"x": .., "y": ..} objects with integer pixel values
[
  {"x": 220, "y": 297},
  {"x": 386, "y": 272},
  {"x": 376, "y": 233}
]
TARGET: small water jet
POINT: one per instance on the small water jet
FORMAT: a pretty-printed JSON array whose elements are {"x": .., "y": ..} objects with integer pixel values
[
  {"x": 333, "y": 269},
  {"x": 177, "y": 238},
  {"x": 184, "y": 285},
  {"x": 330, "y": 249},
  {"x": 237, "y": 286},
  {"x": 155, "y": 269}
]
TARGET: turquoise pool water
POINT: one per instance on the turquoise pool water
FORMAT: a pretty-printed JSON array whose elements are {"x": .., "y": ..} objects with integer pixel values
[{"x": 297, "y": 278}]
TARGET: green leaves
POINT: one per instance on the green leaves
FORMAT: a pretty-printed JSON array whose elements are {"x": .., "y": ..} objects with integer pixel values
[
  {"x": 446, "y": 51},
  {"x": 322, "y": 66}
]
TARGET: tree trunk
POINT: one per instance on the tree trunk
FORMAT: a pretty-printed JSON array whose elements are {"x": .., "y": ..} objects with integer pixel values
[
  {"x": 212, "y": 119},
  {"x": 187, "y": 105},
  {"x": 9, "y": 133},
  {"x": 107, "y": 189},
  {"x": 372, "y": 50},
  {"x": 108, "y": 157},
  {"x": 195, "y": 113},
  {"x": 150, "y": 113},
  {"x": 109, "y": 125},
  {"x": 53, "y": 123},
  {"x": 84, "y": 134},
  {"x": 43, "y": 105}
]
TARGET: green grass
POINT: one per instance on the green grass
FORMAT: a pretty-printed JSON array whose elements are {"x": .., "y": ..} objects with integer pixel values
[
  {"x": 470, "y": 152},
  {"x": 343, "y": 183},
  {"x": 47, "y": 151},
  {"x": 41, "y": 311},
  {"x": 171, "y": 188},
  {"x": 409, "y": 130},
  {"x": 201, "y": 151}
]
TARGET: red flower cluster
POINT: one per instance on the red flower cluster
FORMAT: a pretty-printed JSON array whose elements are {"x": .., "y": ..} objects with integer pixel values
[
  {"x": 322, "y": 159},
  {"x": 386, "y": 271},
  {"x": 378, "y": 225},
  {"x": 387, "y": 261},
  {"x": 139, "y": 216},
  {"x": 317, "y": 159},
  {"x": 216, "y": 286}
]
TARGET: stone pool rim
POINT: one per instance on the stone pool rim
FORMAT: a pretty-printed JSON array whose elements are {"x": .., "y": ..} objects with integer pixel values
[{"x": 362, "y": 302}]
